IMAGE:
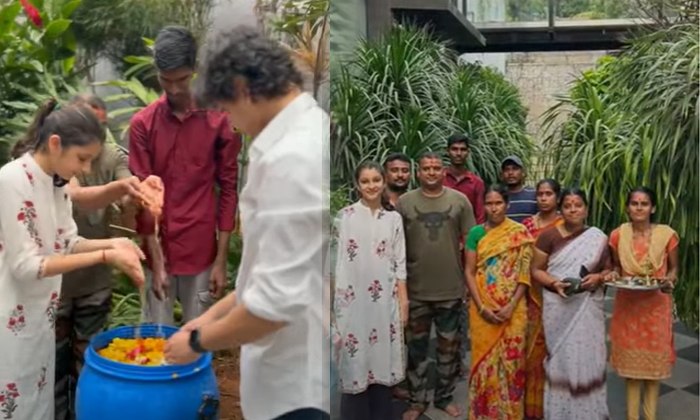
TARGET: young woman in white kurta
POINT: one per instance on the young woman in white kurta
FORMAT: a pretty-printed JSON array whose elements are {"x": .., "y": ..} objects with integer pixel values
[
  {"x": 370, "y": 298},
  {"x": 38, "y": 243}
]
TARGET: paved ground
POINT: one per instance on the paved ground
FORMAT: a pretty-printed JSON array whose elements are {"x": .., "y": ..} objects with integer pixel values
[{"x": 679, "y": 394}]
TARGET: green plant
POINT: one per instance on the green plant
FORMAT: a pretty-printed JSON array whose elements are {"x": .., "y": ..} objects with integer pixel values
[
  {"x": 115, "y": 29},
  {"x": 489, "y": 108},
  {"x": 634, "y": 121},
  {"x": 37, "y": 60},
  {"x": 407, "y": 93}
]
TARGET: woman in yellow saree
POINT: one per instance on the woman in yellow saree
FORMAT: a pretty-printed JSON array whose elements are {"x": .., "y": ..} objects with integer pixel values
[
  {"x": 548, "y": 191},
  {"x": 498, "y": 276}
]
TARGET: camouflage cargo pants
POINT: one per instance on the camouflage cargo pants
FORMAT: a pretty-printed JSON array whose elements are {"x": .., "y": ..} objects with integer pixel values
[
  {"x": 78, "y": 320},
  {"x": 446, "y": 316}
]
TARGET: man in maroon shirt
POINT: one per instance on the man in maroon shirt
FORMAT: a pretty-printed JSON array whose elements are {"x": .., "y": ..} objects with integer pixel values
[
  {"x": 459, "y": 178},
  {"x": 191, "y": 150}
]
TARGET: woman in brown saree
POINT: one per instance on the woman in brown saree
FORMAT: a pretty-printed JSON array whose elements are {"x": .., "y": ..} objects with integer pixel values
[{"x": 573, "y": 317}]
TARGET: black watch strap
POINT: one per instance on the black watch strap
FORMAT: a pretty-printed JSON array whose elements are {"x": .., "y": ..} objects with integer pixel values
[{"x": 194, "y": 342}]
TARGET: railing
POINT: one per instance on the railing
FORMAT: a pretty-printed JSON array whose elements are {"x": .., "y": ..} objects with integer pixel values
[
  {"x": 461, "y": 5},
  {"x": 550, "y": 13}
]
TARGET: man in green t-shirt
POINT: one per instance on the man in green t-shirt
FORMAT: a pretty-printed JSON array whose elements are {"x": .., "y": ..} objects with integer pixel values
[{"x": 435, "y": 219}]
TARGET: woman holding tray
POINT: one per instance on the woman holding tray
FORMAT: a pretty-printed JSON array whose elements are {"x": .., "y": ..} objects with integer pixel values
[
  {"x": 548, "y": 192},
  {"x": 574, "y": 323},
  {"x": 641, "y": 328},
  {"x": 498, "y": 276}
]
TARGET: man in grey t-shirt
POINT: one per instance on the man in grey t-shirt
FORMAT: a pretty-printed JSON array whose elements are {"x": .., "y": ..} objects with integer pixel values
[{"x": 435, "y": 218}]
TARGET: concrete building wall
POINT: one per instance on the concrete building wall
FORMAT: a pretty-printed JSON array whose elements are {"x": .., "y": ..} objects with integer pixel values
[{"x": 542, "y": 76}]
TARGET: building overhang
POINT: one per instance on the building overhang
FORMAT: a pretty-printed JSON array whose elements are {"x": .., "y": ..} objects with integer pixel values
[
  {"x": 561, "y": 35},
  {"x": 443, "y": 17}
]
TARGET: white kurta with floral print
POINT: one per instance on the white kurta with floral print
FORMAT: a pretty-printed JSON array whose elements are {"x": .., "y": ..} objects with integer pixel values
[
  {"x": 371, "y": 258},
  {"x": 35, "y": 222}
]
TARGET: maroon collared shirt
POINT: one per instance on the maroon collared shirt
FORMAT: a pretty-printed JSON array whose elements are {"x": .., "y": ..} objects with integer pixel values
[
  {"x": 470, "y": 185},
  {"x": 191, "y": 155}
]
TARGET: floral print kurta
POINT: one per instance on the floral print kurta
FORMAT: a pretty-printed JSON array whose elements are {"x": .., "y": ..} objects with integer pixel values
[
  {"x": 371, "y": 259},
  {"x": 35, "y": 222}
]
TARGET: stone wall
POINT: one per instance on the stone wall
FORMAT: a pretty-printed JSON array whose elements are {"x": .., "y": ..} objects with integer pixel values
[{"x": 541, "y": 76}]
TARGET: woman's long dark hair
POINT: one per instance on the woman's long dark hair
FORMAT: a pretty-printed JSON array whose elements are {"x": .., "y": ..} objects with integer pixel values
[
  {"x": 75, "y": 124},
  {"x": 385, "y": 202}
]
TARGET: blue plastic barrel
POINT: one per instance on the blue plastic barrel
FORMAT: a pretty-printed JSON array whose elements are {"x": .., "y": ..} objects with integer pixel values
[{"x": 109, "y": 390}]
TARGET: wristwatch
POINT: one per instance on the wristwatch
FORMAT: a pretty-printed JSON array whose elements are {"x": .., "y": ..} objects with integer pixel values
[{"x": 195, "y": 345}]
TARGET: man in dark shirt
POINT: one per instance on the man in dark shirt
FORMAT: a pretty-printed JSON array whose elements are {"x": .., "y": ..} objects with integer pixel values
[
  {"x": 398, "y": 175},
  {"x": 459, "y": 178},
  {"x": 191, "y": 150},
  {"x": 435, "y": 220},
  {"x": 522, "y": 199}
]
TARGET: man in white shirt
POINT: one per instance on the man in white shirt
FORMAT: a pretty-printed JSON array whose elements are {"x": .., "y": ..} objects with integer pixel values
[{"x": 276, "y": 312}]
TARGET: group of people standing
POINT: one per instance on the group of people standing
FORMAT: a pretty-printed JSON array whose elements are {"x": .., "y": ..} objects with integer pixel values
[
  {"x": 57, "y": 250},
  {"x": 532, "y": 275}
]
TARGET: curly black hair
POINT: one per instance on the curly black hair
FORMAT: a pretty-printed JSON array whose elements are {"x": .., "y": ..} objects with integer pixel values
[{"x": 245, "y": 54}]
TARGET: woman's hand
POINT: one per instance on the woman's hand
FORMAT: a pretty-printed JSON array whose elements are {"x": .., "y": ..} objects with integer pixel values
[
  {"x": 126, "y": 245},
  {"x": 611, "y": 276},
  {"x": 489, "y": 316},
  {"x": 559, "y": 287},
  {"x": 128, "y": 261},
  {"x": 403, "y": 310},
  {"x": 668, "y": 284},
  {"x": 132, "y": 188},
  {"x": 505, "y": 313},
  {"x": 591, "y": 281}
]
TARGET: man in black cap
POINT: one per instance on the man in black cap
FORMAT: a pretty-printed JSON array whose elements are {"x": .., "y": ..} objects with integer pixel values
[{"x": 523, "y": 200}]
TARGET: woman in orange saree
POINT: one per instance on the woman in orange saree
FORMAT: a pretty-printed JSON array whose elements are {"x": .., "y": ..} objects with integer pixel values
[
  {"x": 548, "y": 191},
  {"x": 498, "y": 275},
  {"x": 641, "y": 331}
]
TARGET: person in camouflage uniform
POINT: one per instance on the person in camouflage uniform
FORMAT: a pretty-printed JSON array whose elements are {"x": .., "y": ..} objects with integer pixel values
[
  {"x": 86, "y": 294},
  {"x": 435, "y": 219}
]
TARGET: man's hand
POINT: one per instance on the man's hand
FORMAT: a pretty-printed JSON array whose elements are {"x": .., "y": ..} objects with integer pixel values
[
  {"x": 160, "y": 283},
  {"x": 591, "y": 281},
  {"x": 178, "y": 351},
  {"x": 218, "y": 280},
  {"x": 197, "y": 323}
]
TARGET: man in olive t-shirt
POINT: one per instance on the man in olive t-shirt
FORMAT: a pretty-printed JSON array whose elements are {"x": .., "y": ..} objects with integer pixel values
[{"x": 435, "y": 218}]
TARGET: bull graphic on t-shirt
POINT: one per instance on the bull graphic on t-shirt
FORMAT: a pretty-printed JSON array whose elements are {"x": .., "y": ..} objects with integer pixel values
[{"x": 433, "y": 221}]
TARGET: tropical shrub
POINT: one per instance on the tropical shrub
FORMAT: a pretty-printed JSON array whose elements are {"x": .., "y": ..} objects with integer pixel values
[
  {"x": 634, "y": 121},
  {"x": 407, "y": 93},
  {"x": 37, "y": 60},
  {"x": 115, "y": 29}
]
